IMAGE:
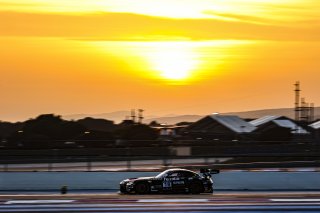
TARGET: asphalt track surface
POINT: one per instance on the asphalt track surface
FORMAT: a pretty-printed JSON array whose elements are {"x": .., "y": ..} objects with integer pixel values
[{"x": 114, "y": 202}]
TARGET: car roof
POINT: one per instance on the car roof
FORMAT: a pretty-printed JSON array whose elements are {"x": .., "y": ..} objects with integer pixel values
[{"x": 179, "y": 170}]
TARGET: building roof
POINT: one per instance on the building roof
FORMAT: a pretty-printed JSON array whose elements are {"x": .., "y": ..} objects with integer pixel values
[
  {"x": 295, "y": 129},
  {"x": 264, "y": 120},
  {"x": 234, "y": 123},
  {"x": 315, "y": 125}
]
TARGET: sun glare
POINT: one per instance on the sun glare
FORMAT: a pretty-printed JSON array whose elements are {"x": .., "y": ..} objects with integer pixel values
[
  {"x": 173, "y": 61},
  {"x": 204, "y": 9}
]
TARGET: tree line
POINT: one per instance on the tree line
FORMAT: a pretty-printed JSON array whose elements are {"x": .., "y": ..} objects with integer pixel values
[{"x": 49, "y": 128}]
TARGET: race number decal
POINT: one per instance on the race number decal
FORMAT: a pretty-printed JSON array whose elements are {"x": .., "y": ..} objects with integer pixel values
[{"x": 166, "y": 183}]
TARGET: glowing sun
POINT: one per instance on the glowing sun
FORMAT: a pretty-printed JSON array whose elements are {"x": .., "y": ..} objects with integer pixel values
[{"x": 173, "y": 61}]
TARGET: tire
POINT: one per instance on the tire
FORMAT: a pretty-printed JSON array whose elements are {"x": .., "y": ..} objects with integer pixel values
[
  {"x": 195, "y": 188},
  {"x": 211, "y": 190},
  {"x": 142, "y": 188}
]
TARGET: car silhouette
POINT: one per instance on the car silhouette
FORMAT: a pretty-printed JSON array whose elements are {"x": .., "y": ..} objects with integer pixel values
[{"x": 171, "y": 181}]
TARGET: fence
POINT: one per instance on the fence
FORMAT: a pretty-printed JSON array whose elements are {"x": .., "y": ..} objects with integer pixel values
[{"x": 131, "y": 155}]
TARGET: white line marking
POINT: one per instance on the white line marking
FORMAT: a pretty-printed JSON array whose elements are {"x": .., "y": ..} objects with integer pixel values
[
  {"x": 37, "y": 201},
  {"x": 295, "y": 200},
  {"x": 172, "y": 200}
]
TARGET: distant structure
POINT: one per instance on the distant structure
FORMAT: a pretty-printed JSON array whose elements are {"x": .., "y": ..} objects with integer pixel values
[
  {"x": 220, "y": 127},
  {"x": 316, "y": 131},
  {"x": 304, "y": 112},
  {"x": 277, "y": 128},
  {"x": 297, "y": 101},
  {"x": 134, "y": 117},
  {"x": 140, "y": 116}
]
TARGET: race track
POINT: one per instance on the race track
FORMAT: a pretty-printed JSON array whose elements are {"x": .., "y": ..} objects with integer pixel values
[{"x": 113, "y": 202}]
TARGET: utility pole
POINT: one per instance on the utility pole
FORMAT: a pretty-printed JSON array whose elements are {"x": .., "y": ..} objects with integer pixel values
[
  {"x": 133, "y": 115},
  {"x": 140, "y": 115},
  {"x": 297, "y": 101}
]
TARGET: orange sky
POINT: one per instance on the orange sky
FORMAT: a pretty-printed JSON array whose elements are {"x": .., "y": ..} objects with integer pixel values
[{"x": 166, "y": 56}]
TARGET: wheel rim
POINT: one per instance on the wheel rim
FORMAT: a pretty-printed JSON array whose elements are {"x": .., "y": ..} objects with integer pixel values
[{"x": 141, "y": 188}]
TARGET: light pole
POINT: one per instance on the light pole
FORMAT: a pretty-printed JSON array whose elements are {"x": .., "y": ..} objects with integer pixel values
[{"x": 89, "y": 164}]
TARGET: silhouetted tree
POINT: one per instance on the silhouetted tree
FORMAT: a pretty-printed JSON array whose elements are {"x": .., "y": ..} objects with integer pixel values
[
  {"x": 94, "y": 124},
  {"x": 184, "y": 123},
  {"x": 48, "y": 125},
  {"x": 137, "y": 132},
  {"x": 154, "y": 123},
  {"x": 71, "y": 129},
  {"x": 41, "y": 131},
  {"x": 7, "y": 128},
  {"x": 96, "y": 135}
]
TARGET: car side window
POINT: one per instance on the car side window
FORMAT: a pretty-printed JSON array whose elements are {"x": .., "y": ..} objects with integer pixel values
[
  {"x": 189, "y": 174},
  {"x": 174, "y": 174}
]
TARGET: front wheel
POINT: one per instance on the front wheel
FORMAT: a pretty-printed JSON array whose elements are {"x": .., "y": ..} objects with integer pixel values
[
  {"x": 195, "y": 188},
  {"x": 142, "y": 188}
]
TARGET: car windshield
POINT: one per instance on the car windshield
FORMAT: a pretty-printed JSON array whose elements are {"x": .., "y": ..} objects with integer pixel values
[{"x": 162, "y": 174}]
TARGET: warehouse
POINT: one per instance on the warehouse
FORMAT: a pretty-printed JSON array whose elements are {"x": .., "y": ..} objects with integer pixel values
[
  {"x": 225, "y": 127},
  {"x": 277, "y": 128},
  {"x": 315, "y": 127}
]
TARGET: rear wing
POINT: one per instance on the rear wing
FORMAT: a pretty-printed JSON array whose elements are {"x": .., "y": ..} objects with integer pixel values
[{"x": 210, "y": 171}]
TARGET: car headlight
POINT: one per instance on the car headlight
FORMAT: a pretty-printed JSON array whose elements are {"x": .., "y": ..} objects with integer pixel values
[{"x": 130, "y": 184}]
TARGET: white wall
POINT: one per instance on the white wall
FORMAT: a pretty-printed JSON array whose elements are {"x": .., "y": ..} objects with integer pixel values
[{"x": 110, "y": 180}]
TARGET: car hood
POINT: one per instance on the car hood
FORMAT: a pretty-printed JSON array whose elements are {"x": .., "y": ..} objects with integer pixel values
[{"x": 138, "y": 178}]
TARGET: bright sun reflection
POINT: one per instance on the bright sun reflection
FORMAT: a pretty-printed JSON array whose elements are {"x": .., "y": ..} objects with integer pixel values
[
  {"x": 176, "y": 62},
  {"x": 173, "y": 61}
]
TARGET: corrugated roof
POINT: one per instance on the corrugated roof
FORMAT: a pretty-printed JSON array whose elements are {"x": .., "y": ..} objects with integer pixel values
[
  {"x": 291, "y": 125},
  {"x": 234, "y": 123},
  {"x": 264, "y": 120},
  {"x": 315, "y": 125}
]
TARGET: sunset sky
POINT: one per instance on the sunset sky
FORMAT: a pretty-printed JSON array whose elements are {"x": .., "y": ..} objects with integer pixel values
[{"x": 165, "y": 56}]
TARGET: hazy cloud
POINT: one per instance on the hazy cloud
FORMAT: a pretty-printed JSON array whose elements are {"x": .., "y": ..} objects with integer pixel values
[{"x": 124, "y": 26}]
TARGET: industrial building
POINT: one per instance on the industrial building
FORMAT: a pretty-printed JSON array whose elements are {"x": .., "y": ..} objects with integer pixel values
[
  {"x": 278, "y": 128},
  {"x": 315, "y": 128},
  {"x": 225, "y": 127}
]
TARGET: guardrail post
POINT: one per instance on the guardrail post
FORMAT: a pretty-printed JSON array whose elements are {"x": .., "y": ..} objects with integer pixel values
[
  {"x": 49, "y": 167},
  {"x": 206, "y": 160},
  {"x": 89, "y": 164},
  {"x": 128, "y": 165},
  {"x": 5, "y": 167},
  {"x": 165, "y": 163}
]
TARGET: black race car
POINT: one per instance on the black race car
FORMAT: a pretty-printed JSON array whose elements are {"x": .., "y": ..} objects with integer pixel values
[{"x": 171, "y": 181}]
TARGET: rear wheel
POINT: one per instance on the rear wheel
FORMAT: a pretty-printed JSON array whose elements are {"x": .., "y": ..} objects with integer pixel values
[
  {"x": 142, "y": 188},
  {"x": 195, "y": 188}
]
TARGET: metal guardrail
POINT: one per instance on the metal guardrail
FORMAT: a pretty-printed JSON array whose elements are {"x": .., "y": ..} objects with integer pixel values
[
  {"x": 160, "y": 151},
  {"x": 154, "y": 165}
]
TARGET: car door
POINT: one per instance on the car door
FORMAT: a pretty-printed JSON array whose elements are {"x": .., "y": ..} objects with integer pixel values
[
  {"x": 177, "y": 181},
  {"x": 167, "y": 183},
  {"x": 190, "y": 177}
]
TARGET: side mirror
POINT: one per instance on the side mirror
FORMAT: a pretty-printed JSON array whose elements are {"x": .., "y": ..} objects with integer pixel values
[
  {"x": 215, "y": 171},
  {"x": 211, "y": 171}
]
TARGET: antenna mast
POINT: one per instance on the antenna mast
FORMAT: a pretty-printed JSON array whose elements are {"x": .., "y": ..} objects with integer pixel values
[
  {"x": 133, "y": 115},
  {"x": 140, "y": 115},
  {"x": 297, "y": 101}
]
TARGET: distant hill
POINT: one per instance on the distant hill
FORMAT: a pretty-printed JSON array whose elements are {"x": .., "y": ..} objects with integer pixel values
[
  {"x": 120, "y": 115},
  {"x": 288, "y": 112},
  {"x": 116, "y": 116},
  {"x": 113, "y": 116},
  {"x": 175, "y": 119}
]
